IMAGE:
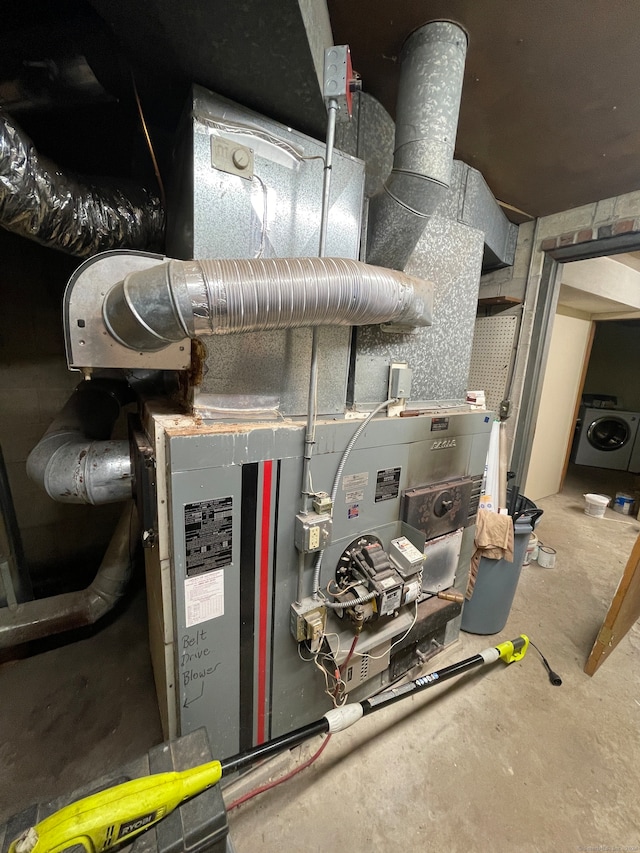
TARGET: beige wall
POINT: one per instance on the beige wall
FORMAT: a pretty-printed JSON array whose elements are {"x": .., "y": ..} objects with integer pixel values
[
  {"x": 555, "y": 424},
  {"x": 607, "y": 278}
]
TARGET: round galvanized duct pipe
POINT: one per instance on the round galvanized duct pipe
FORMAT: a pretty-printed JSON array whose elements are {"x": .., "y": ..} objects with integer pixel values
[
  {"x": 430, "y": 89},
  {"x": 75, "y": 461},
  {"x": 151, "y": 308},
  {"x": 46, "y": 616}
]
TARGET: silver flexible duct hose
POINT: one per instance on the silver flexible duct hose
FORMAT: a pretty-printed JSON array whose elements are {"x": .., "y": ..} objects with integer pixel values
[
  {"x": 152, "y": 308},
  {"x": 46, "y": 616},
  {"x": 429, "y": 94},
  {"x": 80, "y": 216},
  {"x": 75, "y": 461}
]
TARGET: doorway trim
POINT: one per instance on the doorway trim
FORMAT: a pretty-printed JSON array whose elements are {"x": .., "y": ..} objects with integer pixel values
[{"x": 557, "y": 251}]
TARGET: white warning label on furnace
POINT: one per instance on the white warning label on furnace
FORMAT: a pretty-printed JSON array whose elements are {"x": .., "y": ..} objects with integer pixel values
[
  {"x": 204, "y": 598},
  {"x": 355, "y": 481}
]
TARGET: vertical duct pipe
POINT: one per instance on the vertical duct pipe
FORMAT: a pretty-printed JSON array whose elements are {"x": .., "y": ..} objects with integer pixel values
[{"x": 430, "y": 89}]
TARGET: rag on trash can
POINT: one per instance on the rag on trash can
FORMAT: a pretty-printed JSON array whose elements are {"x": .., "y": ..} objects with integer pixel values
[{"x": 493, "y": 539}]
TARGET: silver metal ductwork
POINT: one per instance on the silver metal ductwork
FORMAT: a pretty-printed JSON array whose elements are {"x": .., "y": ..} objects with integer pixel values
[
  {"x": 154, "y": 307},
  {"x": 79, "y": 216},
  {"x": 430, "y": 89},
  {"x": 46, "y": 616},
  {"x": 75, "y": 461}
]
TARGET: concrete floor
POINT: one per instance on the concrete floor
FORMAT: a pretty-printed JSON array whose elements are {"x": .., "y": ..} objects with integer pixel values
[
  {"x": 76, "y": 711},
  {"x": 498, "y": 761}
]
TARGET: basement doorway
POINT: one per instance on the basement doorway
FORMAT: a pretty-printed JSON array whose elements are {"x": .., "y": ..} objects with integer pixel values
[
  {"x": 591, "y": 368},
  {"x": 582, "y": 290}
]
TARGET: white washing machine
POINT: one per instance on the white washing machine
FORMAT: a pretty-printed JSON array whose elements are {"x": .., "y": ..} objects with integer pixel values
[
  {"x": 634, "y": 463},
  {"x": 607, "y": 438}
]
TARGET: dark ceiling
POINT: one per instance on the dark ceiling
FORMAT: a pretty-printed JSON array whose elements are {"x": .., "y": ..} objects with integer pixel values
[
  {"x": 551, "y": 100},
  {"x": 550, "y": 108}
]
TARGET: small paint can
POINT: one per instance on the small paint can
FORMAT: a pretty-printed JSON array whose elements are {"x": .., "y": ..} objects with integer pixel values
[
  {"x": 623, "y": 503},
  {"x": 531, "y": 552},
  {"x": 546, "y": 557}
]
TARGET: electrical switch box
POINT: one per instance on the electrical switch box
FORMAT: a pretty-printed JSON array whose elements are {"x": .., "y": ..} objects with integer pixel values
[
  {"x": 313, "y": 531},
  {"x": 322, "y": 503},
  {"x": 405, "y": 556},
  {"x": 400, "y": 381},
  {"x": 307, "y": 621}
]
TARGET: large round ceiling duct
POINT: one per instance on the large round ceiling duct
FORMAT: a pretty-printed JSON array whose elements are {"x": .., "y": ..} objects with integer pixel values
[{"x": 430, "y": 89}]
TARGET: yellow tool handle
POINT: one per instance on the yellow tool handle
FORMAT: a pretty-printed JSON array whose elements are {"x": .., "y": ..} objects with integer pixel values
[
  {"x": 117, "y": 814},
  {"x": 513, "y": 650}
]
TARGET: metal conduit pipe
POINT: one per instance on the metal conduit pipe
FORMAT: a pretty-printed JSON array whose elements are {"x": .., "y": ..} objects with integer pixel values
[
  {"x": 44, "y": 617},
  {"x": 151, "y": 308},
  {"x": 317, "y": 566},
  {"x": 75, "y": 461},
  {"x": 81, "y": 216},
  {"x": 430, "y": 89}
]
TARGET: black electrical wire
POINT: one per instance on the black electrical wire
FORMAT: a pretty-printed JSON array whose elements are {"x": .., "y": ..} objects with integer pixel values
[{"x": 554, "y": 678}]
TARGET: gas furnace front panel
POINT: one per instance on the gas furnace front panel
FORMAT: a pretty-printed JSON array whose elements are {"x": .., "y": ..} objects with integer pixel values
[{"x": 234, "y": 494}]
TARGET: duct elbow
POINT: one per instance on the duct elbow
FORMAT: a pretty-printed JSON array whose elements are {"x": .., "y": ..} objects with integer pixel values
[
  {"x": 146, "y": 310},
  {"x": 75, "y": 461},
  {"x": 45, "y": 617},
  {"x": 394, "y": 229},
  {"x": 71, "y": 469}
]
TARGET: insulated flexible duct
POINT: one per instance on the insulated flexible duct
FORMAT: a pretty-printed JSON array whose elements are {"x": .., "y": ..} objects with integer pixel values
[
  {"x": 75, "y": 461},
  {"x": 151, "y": 308},
  {"x": 430, "y": 89},
  {"x": 60, "y": 210}
]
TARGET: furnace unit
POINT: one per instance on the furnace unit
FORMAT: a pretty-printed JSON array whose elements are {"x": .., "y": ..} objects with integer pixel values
[
  {"x": 227, "y": 646},
  {"x": 305, "y": 496}
]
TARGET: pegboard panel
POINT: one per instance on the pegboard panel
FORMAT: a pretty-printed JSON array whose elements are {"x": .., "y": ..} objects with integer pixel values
[{"x": 491, "y": 357}]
